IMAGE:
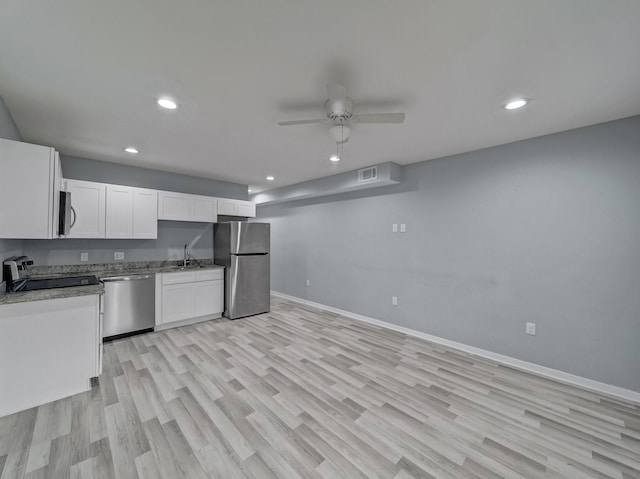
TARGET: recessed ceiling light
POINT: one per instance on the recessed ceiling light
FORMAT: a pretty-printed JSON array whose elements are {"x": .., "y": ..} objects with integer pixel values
[
  {"x": 516, "y": 103},
  {"x": 270, "y": 178},
  {"x": 132, "y": 150},
  {"x": 334, "y": 158},
  {"x": 167, "y": 103}
]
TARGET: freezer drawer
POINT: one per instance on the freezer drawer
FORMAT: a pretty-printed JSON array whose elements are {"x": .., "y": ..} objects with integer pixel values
[{"x": 247, "y": 286}]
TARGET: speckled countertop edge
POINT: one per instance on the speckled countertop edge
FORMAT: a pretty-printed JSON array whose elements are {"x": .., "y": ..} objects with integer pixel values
[
  {"x": 44, "y": 294},
  {"x": 101, "y": 270},
  {"x": 115, "y": 269}
]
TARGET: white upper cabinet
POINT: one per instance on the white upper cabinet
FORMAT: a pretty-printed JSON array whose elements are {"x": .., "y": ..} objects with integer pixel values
[
  {"x": 88, "y": 209},
  {"x": 227, "y": 206},
  {"x": 174, "y": 206},
  {"x": 246, "y": 208},
  {"x": 119, "y": 218},
  {"x": 29, "y": 194},
  {"x": 185, "y": 207},
  {"x": 230, "y": 207},
  {"x": 145, "y": 213},
  {"x": 131, "y": 212},
  {"x": 112, "y": 211},
  {"x": 204, "y": 208}
]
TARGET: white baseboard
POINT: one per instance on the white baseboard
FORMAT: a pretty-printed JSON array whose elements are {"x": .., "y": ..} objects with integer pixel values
[
  {"x": 561, "y": 376},
  {"x": 186, "y": 322}
]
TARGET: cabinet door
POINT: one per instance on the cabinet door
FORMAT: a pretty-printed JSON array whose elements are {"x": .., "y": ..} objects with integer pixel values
[
  {"x": 174, "y": 206},
  {"x": 48, "y": 350},
  {"x": 203, "y": 208},
  {"x": 88, "y": 203},
  {"x": 227, "y": 206},
  {"x": 145, "y": 213},
  {"x": 246, "y": 208},
  {"x": 178, "y": 302},
  {"x": 27, "y": 191},
  {"x": 119, "y": 217},
  {"x": 209, "y": 297}
]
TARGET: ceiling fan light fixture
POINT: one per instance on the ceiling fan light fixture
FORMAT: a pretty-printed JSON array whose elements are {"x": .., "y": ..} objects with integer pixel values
[
  {"x": 339, "y": 133},
  {"x": 516, "y": 103}
]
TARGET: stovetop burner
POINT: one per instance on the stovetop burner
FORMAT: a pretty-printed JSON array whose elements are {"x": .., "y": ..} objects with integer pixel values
[{"x": 51, "y": 283}]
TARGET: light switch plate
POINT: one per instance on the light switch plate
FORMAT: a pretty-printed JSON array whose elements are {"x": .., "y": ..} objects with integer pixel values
[
  {"x": 403, "y": 228},
  {"x": 394, "y": 227},
  {"x": 84, "y": 256},
  {"x": 118, "y": 255}
]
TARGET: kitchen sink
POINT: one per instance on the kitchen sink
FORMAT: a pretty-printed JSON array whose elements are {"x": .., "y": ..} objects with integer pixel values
[{"x": 188, "y": 267}]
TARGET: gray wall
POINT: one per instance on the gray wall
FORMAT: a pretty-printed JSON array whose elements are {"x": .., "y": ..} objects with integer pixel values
[
  {"x": 544, "y": 230},
  {"x": 9, "y": 131},
  {"x": 172, "y": 236},
  {"x": 8, "y": 128},
  {"x": 104, "y": 172}
]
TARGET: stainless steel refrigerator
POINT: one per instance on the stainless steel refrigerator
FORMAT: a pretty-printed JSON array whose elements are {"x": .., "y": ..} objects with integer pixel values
[{"x": 243, "y": 249}]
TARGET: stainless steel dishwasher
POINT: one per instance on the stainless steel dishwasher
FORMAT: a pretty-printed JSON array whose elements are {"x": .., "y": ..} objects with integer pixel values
[{"x": 129, "y": 305}]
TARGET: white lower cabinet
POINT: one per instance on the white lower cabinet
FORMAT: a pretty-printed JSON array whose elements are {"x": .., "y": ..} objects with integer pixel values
[
  {"x": 178, "y": 302},
  {"x": 208, "y": 296},
  {"x": 188, "y": 295},
  {"x": 48, "y": 350}
]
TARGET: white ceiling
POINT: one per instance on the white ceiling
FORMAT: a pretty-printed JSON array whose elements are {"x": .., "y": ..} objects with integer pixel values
[{"x": 83, "y": 75}]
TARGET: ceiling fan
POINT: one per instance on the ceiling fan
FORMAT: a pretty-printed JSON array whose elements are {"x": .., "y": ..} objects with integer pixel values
[{"x": 340, "y": 114}]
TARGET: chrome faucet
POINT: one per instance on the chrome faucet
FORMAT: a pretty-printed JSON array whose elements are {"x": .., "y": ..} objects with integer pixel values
[{"x": 187, "y": 256}]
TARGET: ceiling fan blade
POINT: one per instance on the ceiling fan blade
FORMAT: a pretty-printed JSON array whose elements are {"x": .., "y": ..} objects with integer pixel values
[
  {"x": 379, "y": 118},
  {"x": 301, "y": 122},
  {"x": 336, "y": 92}
]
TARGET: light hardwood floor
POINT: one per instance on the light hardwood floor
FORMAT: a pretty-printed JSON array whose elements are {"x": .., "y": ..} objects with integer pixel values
[{"x": 305, "y": 393}]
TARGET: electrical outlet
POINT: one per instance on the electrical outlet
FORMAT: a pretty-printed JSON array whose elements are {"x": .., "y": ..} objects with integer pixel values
[
  {"x": 403, "y": 228},
  {"x": 530, "y": 328},
  {"x": 394, "y": 227},
  {"x": 84, "y": 256},
  {"x": 308, "y": 282},
  {"x": 118, "y": 255},
  {"x": 394, "y": 300}
]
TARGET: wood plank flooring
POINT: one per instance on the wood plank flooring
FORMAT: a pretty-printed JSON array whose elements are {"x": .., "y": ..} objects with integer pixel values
[{"x": 302, "y": 393}]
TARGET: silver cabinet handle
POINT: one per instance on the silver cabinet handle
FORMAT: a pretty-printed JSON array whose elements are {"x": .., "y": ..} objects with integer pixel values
[{"x": 74, "y": 217}]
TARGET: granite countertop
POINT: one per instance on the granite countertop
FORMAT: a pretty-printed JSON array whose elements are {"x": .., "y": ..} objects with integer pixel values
[{"x": 102, "y": 270}]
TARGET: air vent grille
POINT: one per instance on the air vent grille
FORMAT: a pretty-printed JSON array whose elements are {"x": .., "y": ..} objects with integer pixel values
[{"x": 368, "y": 174}]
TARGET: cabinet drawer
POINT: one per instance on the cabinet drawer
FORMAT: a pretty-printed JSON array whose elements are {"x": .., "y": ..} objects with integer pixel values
[
  {"x": 182, "y": 277},
  {"x": 209, "y": 274}
]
